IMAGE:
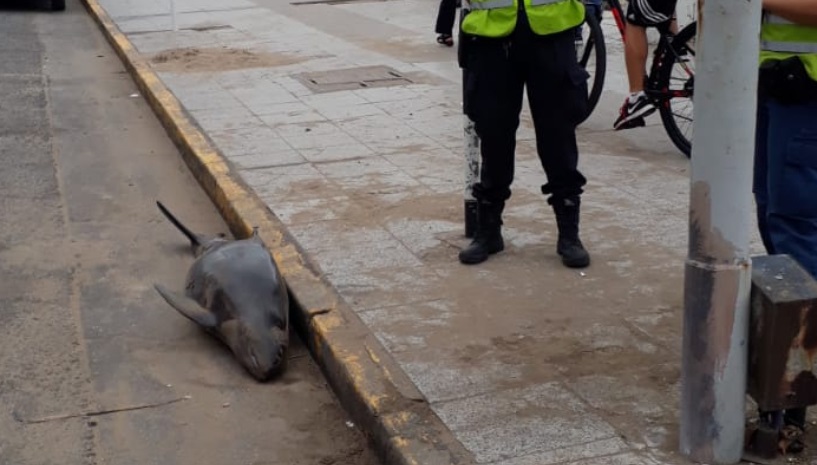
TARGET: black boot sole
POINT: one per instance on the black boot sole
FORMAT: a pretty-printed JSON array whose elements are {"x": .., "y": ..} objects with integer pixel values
[
  {"x": 576, "y": 263},
  {"x": 475, "y": 260}
]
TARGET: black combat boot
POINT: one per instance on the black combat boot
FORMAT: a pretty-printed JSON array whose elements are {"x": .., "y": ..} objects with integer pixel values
[
  {"x": 487, "y": 237},
  {"x": 569, "y": 246}
]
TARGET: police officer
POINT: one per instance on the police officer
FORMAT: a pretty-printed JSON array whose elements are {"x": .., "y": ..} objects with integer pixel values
[
  {"x": 508, "y": 45},
  {"x": 785, "y": 184}
]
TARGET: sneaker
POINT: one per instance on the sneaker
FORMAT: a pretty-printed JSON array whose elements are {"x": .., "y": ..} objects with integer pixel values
[
  {"x": 632, "y": 110},
  {"x": 633, "y": 123}
]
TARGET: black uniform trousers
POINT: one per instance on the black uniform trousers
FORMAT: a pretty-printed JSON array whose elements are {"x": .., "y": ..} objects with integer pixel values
[
  {"x": 497, "y": 71},
  {"x": 446, "y": 15}
]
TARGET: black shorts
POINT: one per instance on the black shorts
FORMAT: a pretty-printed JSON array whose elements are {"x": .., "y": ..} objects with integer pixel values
[{"x": 647, "y": 13}]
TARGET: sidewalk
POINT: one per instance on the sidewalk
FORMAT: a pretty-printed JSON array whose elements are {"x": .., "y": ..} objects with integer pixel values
[{"x": 525, "y": 361}]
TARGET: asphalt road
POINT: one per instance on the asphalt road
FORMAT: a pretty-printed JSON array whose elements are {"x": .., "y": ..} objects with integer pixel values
[{"x": 82, "y": 331}]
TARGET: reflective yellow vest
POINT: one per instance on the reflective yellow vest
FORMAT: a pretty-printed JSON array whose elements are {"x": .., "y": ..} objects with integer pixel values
[
  {"x": 497, "y": 18},
  {"x": 781, "y": 39}
]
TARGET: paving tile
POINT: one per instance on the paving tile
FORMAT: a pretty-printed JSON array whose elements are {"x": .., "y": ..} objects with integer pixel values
[
  {"x": 440, "y": 381},
  {"x": 429, "y": 165},
  {"x": 307, "y": 128},
  {"x": 226, "y": 119},
  {"x": 293, "y": 86},
  {"x": 406, "y": 109},
  {"x": 622, "y": 459},
  {"x": 601, "y": 449},
  {"x": 351, "y": 111},
  {"x": 373, "y": 127},
  {"x": 299, "y": 211},
  {"x": 440, "y": 116},
  {"x": 290, "y": 113},
  {"x": 249, "y": 141},
  {"x": 282, "y": 109},
  {"x": 375, "y": 174},
  {"x": 267, "y": 159},
  {"x": 371, "y": 246},
  {"x": 288, "y": 183},
  {"x": 386, "y": 94},
  {"x": 386, "y": 256},
  {"x": 333, "y": 100},
  {"x": 422, "y": 235},
  {"x": 237, "y": 79},
  {"x": 264, "y": 99},
  {"x": 619, "y": 395},
  {"x": 395, "y": 285},
  {"x": 506, "y": 424},
  {"x": 196, "y": 99},
  {"x": 180, "y": 82},
  {"x": 403, "y": 142},
  {"x": 649, "y": 393},
  {"x": 337, "y": 153},
  {"x": 405, "y": 327},
  {"x": 310, "y": 141}
]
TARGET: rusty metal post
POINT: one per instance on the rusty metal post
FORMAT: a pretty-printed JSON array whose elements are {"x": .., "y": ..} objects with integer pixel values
[{"x": 718, "y": 268}]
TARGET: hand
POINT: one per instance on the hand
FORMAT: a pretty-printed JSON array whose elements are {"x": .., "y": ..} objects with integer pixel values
[{"x": 802, "y": 12}]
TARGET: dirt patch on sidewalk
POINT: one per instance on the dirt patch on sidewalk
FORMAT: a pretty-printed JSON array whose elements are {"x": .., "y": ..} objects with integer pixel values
[{"x": 193, "y": 59}]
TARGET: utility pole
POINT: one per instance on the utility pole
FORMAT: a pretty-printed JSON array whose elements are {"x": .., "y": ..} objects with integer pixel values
[
  {"x": 472, "y": 158},
  {"x": 718, "y": 267}
]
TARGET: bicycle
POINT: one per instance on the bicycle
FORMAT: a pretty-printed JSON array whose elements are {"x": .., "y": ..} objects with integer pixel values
[{"x": 672, "y": 50}]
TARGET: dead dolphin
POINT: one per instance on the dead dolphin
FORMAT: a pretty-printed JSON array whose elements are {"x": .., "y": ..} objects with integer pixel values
[{"x": 236, "y": 293}]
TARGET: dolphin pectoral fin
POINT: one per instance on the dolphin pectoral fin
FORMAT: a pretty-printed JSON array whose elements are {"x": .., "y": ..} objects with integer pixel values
[{"x": 187, "y": 307}]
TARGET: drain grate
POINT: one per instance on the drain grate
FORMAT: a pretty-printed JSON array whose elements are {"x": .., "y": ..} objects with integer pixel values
[{"x": 352, "y": 78}]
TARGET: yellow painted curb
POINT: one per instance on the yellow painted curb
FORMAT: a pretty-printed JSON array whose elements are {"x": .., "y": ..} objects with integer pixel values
[{"x": 369, "y": 384}]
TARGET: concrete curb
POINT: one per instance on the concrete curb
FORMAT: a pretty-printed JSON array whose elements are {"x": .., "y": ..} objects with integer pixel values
[{"x": 370, "y": 385}]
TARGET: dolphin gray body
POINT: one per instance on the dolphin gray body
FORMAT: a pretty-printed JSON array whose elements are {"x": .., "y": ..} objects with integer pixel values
[{"x": 236, "y": 293}]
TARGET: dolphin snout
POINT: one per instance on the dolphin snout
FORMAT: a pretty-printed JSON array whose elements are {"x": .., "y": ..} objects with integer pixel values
[{"x": 265, "y": 358}]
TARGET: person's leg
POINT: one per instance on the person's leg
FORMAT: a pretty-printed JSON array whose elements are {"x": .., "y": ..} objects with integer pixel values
[
  {"x": 557, "y": 94},
  {"x": 792, "y": 182},
  {"x": 493, "y": 101},
  {"x": 673, "y": 24},
  {"x": 635, "y": 56},
  {"x": 446, "y": 15},
  {"x": 640, "y": 15},
  {"x": 760, "y": 184}
]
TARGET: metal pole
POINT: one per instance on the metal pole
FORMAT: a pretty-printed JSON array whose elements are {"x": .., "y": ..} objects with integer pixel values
[
  {"x": 718, "y": 268},
  {"x": 472, "y": 159}
]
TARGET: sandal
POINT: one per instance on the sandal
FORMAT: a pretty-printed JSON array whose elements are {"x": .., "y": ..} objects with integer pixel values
[{"x": 445, "y": 39}]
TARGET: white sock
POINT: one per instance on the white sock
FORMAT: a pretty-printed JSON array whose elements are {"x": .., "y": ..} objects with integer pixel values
[{"x": 635, "y": 95}]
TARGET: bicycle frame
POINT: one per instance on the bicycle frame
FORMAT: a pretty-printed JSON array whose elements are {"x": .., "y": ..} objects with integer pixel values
[
  {"x": 618, "y": 15},
  {"x": 653, "y": 88}
]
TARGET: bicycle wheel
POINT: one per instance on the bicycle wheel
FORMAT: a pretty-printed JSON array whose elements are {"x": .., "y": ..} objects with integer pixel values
[
  {"x": 592, "y": 57},
  {"x": 676, "y": 80}
]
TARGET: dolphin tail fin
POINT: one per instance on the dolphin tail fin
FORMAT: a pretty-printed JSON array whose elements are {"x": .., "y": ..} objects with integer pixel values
[
  {"x": 195, "y": 239},
  {"x": 187, "y": 307}
]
